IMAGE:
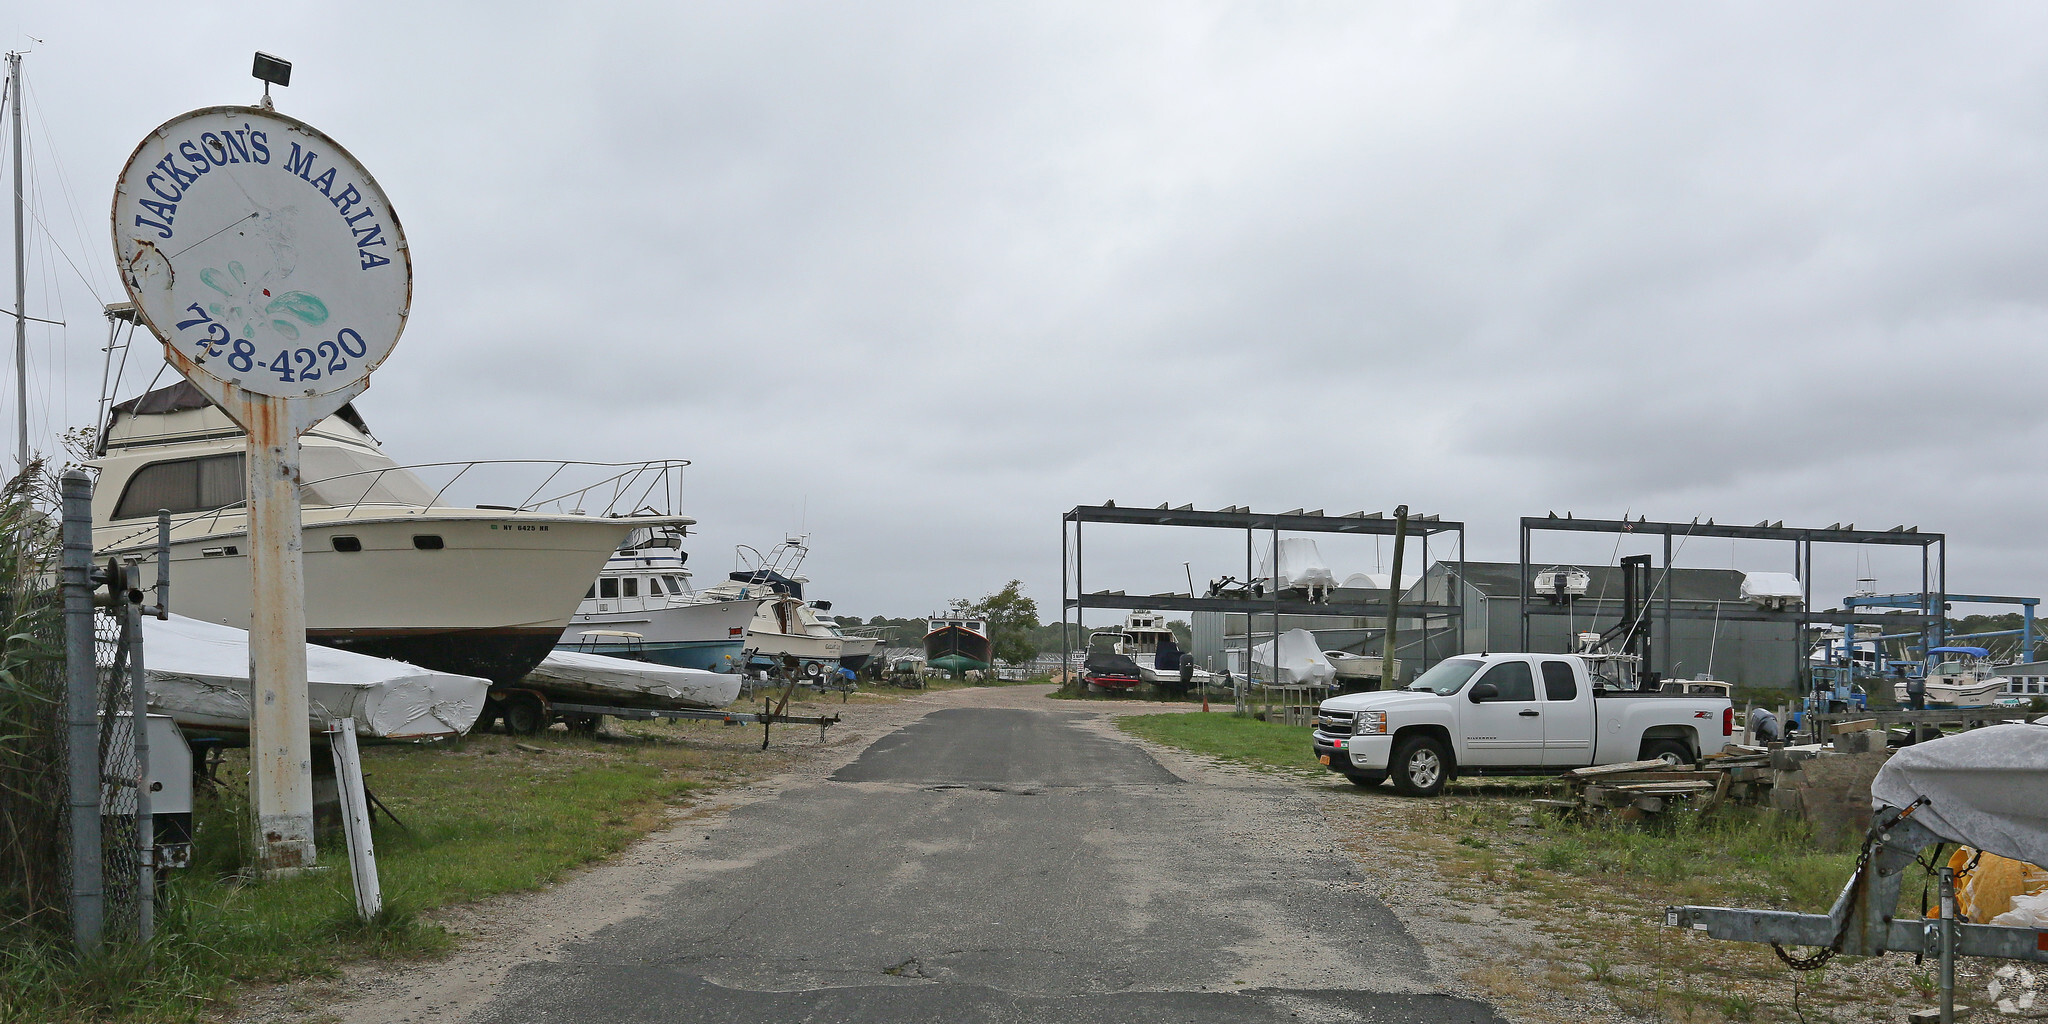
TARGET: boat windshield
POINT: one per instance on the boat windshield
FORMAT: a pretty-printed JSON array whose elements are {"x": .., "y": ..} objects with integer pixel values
[
  {"x": 342, "y": 477},
  {"x": 1447, "y": 677}
]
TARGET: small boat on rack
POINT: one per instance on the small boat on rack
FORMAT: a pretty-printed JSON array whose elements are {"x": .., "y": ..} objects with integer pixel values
[
  {"x": 391, "y": 568},
  {"x": 198, "y": 673},
  {"x": 1149, "y": 643},
  {"x": 1964, "y": 680},
  {"x": 642, "y": 607}
]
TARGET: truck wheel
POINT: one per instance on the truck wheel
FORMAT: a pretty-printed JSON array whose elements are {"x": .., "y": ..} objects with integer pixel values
[
  {"x": 524, "y": 715},
  {"x": 1366, "y": 780},
  {"x": 1419, "y": 766},
  {"x": 1671, "y": 752}
]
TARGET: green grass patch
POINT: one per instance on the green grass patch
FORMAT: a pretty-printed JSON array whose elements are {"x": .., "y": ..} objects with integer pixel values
[
  {"x": 482, "y": 817},
  {"x": 1736, "y": 856},
  {"x": 1225, "y": 735}
]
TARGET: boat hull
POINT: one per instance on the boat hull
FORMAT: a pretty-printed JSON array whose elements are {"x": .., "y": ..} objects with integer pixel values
[
  {"x": 953, "y": 649},
  {"x": 709, "y": 635},
  {"x": 573, "y": 677},
  {"x": 491, "y": 600},
  {"x": 856, "y": 652},
  {"x": 708, "y": 655},
  {"x": 1964, "y": 692}
]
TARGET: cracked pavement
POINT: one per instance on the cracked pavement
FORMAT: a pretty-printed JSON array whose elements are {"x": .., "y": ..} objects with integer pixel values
[{"x": 989, "y": 863}]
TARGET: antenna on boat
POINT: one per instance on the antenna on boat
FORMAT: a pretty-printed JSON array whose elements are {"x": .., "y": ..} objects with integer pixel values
[{"x": 14, "y": 93}]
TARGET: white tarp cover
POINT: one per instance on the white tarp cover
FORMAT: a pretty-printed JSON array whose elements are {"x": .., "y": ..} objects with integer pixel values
[
  {"x": 197, "y": 672},
  {"x": 1377, "y": 581},
  {"x": 593, "y": 674},
  {"x": 1301, "y": 566},
  {"x": 1987, "y": 788},
  {"x": 1771, "y": 586},
  {"x": 1301, "y": 661}
]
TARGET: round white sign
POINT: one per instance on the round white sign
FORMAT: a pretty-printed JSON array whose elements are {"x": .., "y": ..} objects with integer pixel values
[{"x": 261, "y": 250}]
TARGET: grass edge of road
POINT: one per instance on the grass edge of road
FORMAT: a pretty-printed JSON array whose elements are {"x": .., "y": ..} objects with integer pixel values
[
  {"x": 1225, "y": 735},
  {"x": 484, "y": 816}
]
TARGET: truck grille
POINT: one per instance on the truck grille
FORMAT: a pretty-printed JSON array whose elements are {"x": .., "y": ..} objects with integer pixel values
[{"x": 1335, "y": 723}]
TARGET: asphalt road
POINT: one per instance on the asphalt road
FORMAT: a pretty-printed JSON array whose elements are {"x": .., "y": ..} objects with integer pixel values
[{"x": 999, "y": 865}]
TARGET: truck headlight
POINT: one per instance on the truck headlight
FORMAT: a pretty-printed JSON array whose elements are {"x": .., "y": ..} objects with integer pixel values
[{"x": 1370, "y": 723}]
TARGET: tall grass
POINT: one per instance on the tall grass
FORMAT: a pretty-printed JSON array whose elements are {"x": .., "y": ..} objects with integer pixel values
[{"x": 32, "y": 790}]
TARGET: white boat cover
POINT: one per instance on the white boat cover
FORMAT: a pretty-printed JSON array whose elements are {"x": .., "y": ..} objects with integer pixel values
[
  {"x": 593, "y": 674},
  {"x": 197, "y": 672},
  {"x": 1771, "y": 586},
  {"x": 1301, "y": 565},
  {"x": 1358, "y": 666},
  {"x": 1376, "y": 581},
  {"x": 1301, "y": 661},
  {"x": 1987, "y": 788}
]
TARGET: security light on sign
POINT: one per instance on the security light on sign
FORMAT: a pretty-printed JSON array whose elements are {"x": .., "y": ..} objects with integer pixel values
[{"x": 271, "y": 71}]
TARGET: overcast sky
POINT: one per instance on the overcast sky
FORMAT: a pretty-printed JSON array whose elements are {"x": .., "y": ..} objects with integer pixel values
[{"x": 917, "y": 278}]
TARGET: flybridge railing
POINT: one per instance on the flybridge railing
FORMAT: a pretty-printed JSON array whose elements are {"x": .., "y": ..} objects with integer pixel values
[
  {"x": 650, "y": 488},
  {"x": 627, "y": 491}
]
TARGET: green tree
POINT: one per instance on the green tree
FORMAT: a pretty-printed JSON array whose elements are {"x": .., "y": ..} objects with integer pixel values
[{"x": 1012, "y": 619}]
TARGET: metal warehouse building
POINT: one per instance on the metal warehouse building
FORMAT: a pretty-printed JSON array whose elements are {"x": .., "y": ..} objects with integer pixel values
[{"x": 1749, "y": 653}]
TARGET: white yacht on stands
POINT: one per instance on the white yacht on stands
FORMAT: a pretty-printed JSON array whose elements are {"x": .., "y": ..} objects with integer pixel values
[{"x": 390, "y": 569}]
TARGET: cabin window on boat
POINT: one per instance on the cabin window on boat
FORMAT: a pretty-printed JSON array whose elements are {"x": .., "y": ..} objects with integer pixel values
[
  {"x": 347, "y": 544},
  {"x": 608, "y": 587},
  {"x": 654, "y": 586},
  {"x": 675, "y": 585},
  {"x": 632, "y": 586},
  {"x": 185, "y": 485},
  {"x": 593, "y": 593}
]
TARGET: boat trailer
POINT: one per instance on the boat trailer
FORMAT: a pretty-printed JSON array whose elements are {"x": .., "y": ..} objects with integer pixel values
[
  {"x": 765, "y": 718},
  {"x": 1861, "y": 923}
]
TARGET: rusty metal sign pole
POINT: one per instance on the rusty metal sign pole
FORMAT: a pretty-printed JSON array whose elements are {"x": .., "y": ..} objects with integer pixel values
[
  {"x": 272, "y": 267},
  {"x": 280, "y": 745}
]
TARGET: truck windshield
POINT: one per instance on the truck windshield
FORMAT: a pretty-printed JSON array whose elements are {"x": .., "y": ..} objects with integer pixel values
[{"x": 1447, "y": 677}]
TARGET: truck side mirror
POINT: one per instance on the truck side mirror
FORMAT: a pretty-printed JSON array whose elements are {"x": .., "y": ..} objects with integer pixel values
[{"x": 1483, "y": 692}]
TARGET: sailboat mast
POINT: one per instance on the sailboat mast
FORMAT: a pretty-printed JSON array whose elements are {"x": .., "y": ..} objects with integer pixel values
[{"x": 20, "y": 274}]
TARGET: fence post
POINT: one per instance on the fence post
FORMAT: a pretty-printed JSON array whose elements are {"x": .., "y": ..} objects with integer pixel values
[{"x": 81, "y": 708}]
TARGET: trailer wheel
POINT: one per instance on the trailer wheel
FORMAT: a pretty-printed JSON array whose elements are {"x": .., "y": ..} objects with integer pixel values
[
  {"x": 1419, "y": 766},
  {"x": 1671, "y": 752},
  {"x": 524, "y": 715}
]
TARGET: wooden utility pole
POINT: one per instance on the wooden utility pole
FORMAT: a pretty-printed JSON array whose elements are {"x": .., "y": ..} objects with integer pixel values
[{"x": 1393, "y": 599}]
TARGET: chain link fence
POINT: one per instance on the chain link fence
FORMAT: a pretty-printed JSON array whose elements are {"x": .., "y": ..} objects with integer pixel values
[{"x": 121, "y": 841}]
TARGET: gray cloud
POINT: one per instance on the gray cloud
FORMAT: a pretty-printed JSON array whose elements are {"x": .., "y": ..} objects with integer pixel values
[{"x": 918, "y": 277}]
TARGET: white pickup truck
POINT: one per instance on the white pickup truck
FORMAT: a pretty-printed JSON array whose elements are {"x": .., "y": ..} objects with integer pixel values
[{"x": 1509, "y": 714}]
